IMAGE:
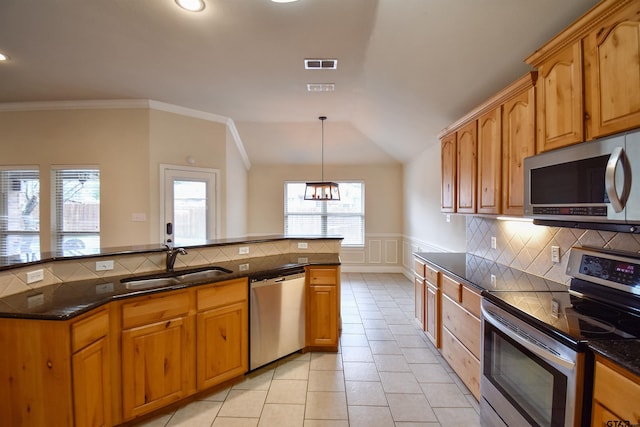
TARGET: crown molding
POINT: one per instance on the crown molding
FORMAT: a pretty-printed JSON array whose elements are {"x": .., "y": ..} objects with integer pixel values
[{"x": 132, "y": 104}]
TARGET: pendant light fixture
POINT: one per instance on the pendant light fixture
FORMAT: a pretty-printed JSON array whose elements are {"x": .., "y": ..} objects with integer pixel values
[{"x": 322, "y": 190}]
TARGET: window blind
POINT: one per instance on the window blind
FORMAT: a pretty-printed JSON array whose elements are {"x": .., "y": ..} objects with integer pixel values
[
  {"x": 76, "y": 213},
  {"x": 19, "y": 214}
]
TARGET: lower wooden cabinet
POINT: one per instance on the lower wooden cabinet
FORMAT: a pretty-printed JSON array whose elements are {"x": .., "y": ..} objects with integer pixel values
[
  {"x": 323, "y": 308},
  {"x": 222, "y": 333},
  {"x": 52, "y": 372},
  {"x": 157, "y": 352},
  {"x": 616, "y": 395},
  {"x": 91, "y": 367}
]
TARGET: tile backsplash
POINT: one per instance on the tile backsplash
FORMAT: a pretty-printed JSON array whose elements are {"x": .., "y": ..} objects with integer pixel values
[
  {"x": 527, "y": 247},
  {"x": 14, "y": 280}
]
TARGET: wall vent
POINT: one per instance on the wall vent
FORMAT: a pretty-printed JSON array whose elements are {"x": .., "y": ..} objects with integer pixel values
[
  {"x": 321, "y": 87},
  {"x": 320, "y": 64}
]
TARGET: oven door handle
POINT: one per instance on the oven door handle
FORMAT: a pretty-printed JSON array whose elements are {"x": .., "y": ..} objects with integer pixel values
[{"x": 534, "y": 348}]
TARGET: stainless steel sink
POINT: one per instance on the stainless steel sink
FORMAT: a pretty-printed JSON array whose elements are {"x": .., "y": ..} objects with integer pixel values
[
  {"x": 174, "y": 278},
  {"x": 149, "y": 282},
  {"x": 202, "y": 273}
]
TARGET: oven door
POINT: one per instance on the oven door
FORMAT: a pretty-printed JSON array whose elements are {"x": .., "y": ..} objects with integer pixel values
[{"x": 527, "y": 377}]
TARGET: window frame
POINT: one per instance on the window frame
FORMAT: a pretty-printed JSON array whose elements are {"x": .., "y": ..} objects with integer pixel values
[{"x": 325, "y": 214}]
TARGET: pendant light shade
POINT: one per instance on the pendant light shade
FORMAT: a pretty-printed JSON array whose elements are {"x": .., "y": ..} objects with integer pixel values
[{"x": 322, "y": 190}]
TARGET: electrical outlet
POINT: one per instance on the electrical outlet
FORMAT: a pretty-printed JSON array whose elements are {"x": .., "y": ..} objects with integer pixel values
[
  {"x": 243, "y": 267},
  {"x": 104, "y": 265},
  {"x": 494, "y": 243},
  {"x": 555, "y": 254},
  {"x": 35, "y": 276},
  {"x": 447, "y": 218},
  {"x": 243, "y": 250},
  {"x": 303, "y": 245},
  {"x": 493, "y": 280}
]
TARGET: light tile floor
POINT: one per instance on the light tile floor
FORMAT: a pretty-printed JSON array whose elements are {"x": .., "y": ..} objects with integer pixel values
[{"x": 386, "y": 374}]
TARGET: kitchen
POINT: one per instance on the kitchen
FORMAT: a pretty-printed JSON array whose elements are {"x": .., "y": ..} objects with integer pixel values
[{"x": 415, "y": 224}]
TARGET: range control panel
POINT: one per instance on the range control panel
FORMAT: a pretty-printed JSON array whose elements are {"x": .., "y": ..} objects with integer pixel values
[{"x": 610, "y": 268}]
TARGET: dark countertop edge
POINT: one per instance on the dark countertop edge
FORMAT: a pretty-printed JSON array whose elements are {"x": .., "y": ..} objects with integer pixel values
[
  {"x": 624, "y": 353},
  {"x": 129, "y": 250},
  {"x": 72, "y": 312},
  {"x": 447, "y": 262}
]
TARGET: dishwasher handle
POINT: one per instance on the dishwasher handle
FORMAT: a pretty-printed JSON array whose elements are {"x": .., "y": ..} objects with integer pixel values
[{"x": 280, "y": 280}]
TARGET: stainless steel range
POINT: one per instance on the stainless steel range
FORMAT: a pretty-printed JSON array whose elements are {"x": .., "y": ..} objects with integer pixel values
[{"x": 536, "y": 367}]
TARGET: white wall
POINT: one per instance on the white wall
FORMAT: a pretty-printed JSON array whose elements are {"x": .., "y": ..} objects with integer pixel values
[
  {"x": 383, "y": 208},
  {"x": 425, "y": 227}
]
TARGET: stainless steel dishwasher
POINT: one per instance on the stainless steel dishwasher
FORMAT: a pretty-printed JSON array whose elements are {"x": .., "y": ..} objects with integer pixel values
[{"x": 276, "y": 319}]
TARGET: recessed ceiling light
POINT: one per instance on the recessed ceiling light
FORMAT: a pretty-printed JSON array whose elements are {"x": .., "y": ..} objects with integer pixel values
[
  {"x": 191, "y": 5},
  {"x": 283, "y": 1},
  {"x": 3, "y": 57}
]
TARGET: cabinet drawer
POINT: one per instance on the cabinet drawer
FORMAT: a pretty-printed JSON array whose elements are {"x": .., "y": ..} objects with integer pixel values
[
  {"x": 221, "y": 294},
  {"x": 143, "y": 311},
  {"x": 452, "y": 288},
  {"x": 471, "y": 300},
  {"x": 89, "y": 330},
  {"x": 461, "y": 323},
  {"x": 419, "y": 267},
  {"x": 618, "y": 392},
  {"x": 431, "y": 274},
  {"x": 322, "y": 276},
  {"x": 465, "y": 364}
]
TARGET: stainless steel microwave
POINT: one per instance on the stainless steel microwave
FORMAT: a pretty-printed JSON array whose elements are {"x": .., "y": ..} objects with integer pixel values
[{"x": 591, "y": 182}]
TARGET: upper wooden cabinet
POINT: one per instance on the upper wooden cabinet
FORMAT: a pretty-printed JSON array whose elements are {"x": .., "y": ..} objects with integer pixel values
[
  {"x": 489, "y": 162},
  {"x": 612, "y": 72},
  {"x": 560, "y": 104},
  {"x": 467, "y": 165},
  {"x": 448, "y": 153},
  {"x": 518, "y": 142},
  {"x": 483, "y": 153},
  {"x": 589, "y": 83}
]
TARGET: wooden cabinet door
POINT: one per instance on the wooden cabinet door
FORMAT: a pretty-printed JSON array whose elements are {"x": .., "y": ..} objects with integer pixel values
[
  {"x": 613, "y": 71},
  {"x": 448, "y": 155},
  {"x": 518, "y": 142},
  {"x": 467, "y": 168},
  {"x": 222, "y": 336},
  {"x": 489, "y": 162},
  {"x": 560, "y": 99},
  {"x": 91, "y": 391},
  {"x": 155, "y": 364},
  {"x": 322, "y": 316},
  {"x": 419, "y": 301},
  {"x": 432, "y": 314}
]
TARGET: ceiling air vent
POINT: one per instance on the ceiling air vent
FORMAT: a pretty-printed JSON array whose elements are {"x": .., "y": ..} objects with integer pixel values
[
  {"x": 320, "y": 64},
  {"x": 321, "y": 87}
]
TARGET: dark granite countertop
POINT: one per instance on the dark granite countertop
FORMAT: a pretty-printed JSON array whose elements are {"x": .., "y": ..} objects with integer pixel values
[
  {"x": 476, "y": 271},
  {"x": 625, "y": 353},
  {"x": 513, "y": 286},
  {"x": 63, "y": 301},
  {"x": 42, "y": 257}
]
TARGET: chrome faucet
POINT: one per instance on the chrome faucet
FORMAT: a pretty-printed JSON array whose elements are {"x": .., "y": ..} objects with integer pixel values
[{"x": 172, "y": 254}]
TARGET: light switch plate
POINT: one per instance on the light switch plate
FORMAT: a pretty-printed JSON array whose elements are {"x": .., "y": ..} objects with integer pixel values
[
  {"x": 243, "y": 267},
  {"x": 555, "y": 254},
  {"x": 494, "y": 243},
  {"x": 303, "y": 245},
  {"x": 243, "y": 250}
]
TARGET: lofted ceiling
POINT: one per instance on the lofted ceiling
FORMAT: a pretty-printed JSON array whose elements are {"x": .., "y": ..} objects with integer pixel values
[{"x": 406, "y": 68}]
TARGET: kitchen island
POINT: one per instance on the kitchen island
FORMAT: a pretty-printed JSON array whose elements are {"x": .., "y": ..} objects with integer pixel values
[{"x": 98, "y": 351}]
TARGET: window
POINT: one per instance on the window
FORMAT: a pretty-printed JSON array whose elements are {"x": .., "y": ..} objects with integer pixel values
[
  {"x": 76, "y": 211},
  {"x": 336, "y": 218},
  {"x": 19, "y": 214}
]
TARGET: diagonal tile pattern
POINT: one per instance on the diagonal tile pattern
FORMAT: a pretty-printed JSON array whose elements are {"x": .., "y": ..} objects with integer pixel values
[{"x": 386, "y": 374}]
